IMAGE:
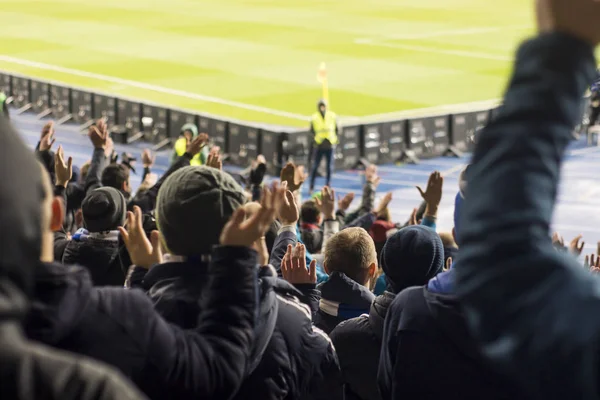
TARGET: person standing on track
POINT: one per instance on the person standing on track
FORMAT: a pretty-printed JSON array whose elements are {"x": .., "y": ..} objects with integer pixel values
[{"x": 324, "y": 128}]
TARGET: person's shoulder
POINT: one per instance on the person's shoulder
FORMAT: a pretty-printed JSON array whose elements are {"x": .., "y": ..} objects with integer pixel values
[{"x": 351, "y": 329}]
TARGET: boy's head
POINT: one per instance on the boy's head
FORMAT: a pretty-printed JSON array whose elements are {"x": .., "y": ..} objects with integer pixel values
[
  {"x": 353, "y": 253},
  {"x": 116, "y": 176},
  {"x": 310, "y": 213},
  {"x": 193, "y": 206}
]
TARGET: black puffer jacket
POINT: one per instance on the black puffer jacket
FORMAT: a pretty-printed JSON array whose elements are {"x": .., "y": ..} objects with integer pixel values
[
  {"x": 121, "y": 327},
  {"x": 101, "y": 258},
  {"x": 358, "y": 343},
  {"x": 291, "y": 359}
]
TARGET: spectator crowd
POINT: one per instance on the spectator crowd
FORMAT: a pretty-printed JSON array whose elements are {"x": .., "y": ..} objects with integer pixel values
[{"x": 205, "y": 284}]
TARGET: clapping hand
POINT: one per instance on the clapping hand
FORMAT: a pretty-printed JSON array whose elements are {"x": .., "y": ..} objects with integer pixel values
[
  {"x": 245, "y": 232},
  {"x": 293, "y": 266},
  {"x": 143, "y": 252},
  {"x": 98, "y": 134},
  {"x": 47, "y": 136},
  {"x": 194, "y": 146},
  {"x": 214, "y": 159},
  {"x": 345, "y": 202},
  {"x": 62, "y": 170},
  {"x": 433, "y": 193},
  {"x": 327, "y": 203},
  {"x": 293, "y": 178}
]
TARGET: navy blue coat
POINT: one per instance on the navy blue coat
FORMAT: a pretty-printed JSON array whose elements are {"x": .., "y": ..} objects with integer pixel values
[{"x": 535, "y": 310}]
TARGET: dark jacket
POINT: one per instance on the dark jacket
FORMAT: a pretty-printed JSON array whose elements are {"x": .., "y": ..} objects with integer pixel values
[
  {"x": 122, "y": 328},
  {"x": 535, "y": 310},
  {"x": 29, "y": 371},
  {"x": 341, "y": 299},
  {"x": 427, "y": 353},
  {"x": 291, "y": 359},
  {"x": 357, "y": 342},
  {"x": 100, "y": 257}
]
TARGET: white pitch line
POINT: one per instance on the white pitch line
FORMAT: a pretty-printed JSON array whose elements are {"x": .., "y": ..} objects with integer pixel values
[
  {"x": 456, "y": 32},
  {"x": 153, "y": 88},
  {"x": 425, "y": 49},
  {"x": 424, "y": 112}
]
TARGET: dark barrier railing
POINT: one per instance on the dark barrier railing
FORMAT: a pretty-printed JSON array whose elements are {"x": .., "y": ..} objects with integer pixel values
[{"x": 384, "y": 142}]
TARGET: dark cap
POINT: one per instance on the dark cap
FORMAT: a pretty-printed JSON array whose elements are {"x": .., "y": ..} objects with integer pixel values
[{"x": 104, "y": 209}]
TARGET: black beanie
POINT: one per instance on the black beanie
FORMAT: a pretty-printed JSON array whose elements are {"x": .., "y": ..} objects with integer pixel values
[
  {"x": 411, "y": 257},
  {"x": 103, "y": 210},
  {"x": 193, "y": 206}
]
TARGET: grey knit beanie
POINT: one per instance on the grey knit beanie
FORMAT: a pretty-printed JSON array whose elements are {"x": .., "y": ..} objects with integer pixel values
[{"x": 193, "y": 206}]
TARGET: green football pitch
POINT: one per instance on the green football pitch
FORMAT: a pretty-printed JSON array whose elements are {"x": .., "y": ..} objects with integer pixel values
[{"x": 257, "y": 60}]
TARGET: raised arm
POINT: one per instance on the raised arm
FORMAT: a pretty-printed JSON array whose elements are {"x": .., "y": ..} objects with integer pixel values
[{"x": 534, "y": 309}]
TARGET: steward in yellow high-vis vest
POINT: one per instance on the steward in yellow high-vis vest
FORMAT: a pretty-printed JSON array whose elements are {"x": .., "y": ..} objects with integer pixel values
[
  {"x": 188, "y": 133},
  {"x": 324, "y": 128}
]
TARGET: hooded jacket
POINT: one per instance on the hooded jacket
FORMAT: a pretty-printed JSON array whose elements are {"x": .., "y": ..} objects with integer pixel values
[
  {"x": 28, "y": 370},
  {"x": 341, "y": 299},
  {"x": 122, "y": 328},
  {"x": 428, "y": 353},
  {"x": 289, "y": 360}
]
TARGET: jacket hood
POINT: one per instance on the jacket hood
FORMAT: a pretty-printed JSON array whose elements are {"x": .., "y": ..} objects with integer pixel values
[
  {"x": 20, "y": 214},
  {"x": 351, "y": 298},
  {"x": 447, "y": 312},
  {"x": 378, "y": 311},
  {"x": 190, "y": 127},
  {"x": 411, "y": 257},
  {"x": 59, "y": 301}
]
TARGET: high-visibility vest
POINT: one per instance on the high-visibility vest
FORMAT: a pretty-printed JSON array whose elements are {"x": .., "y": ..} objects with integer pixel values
[
  {"x": 181, "y": 147},
  {"x": 324, "y": 128},
  {"x": 2, "y": 100}
]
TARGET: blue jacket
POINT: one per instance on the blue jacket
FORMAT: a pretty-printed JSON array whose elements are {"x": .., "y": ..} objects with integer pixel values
[{"x": 534, "y": 310}]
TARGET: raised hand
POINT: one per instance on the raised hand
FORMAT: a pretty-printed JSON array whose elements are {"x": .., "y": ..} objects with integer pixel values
[
  {"x": 143, "y": 252},
  {"x": 328, "y": 203},
  {"x": 47, "y": 136},
  {"x": 413, "y": 218},
  {"x": 345, "y": 202},
  {"x": 433, "y": 193},
  {"x": 292, "y": 177},
  {"x": 245, "y": 232},
  {"x": 288, "y": 209},
  {"x": 383, "y": 203},
  {"x": 148, "y": 158},
  {"x": 557, "y": 241},
  {"x": 578, "y": 18},
  {"x": 293, "y": 266},
  {"x": 194, "y": 146},
  {"x": 371, "y": 175},
  {"x": 576, "y": 248},
  {"x": 592, "y": 262},
  {"x": 214, "y": 159},
  {"x": 62, "y": 170},
  {"x": 98, "y": 134}
]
